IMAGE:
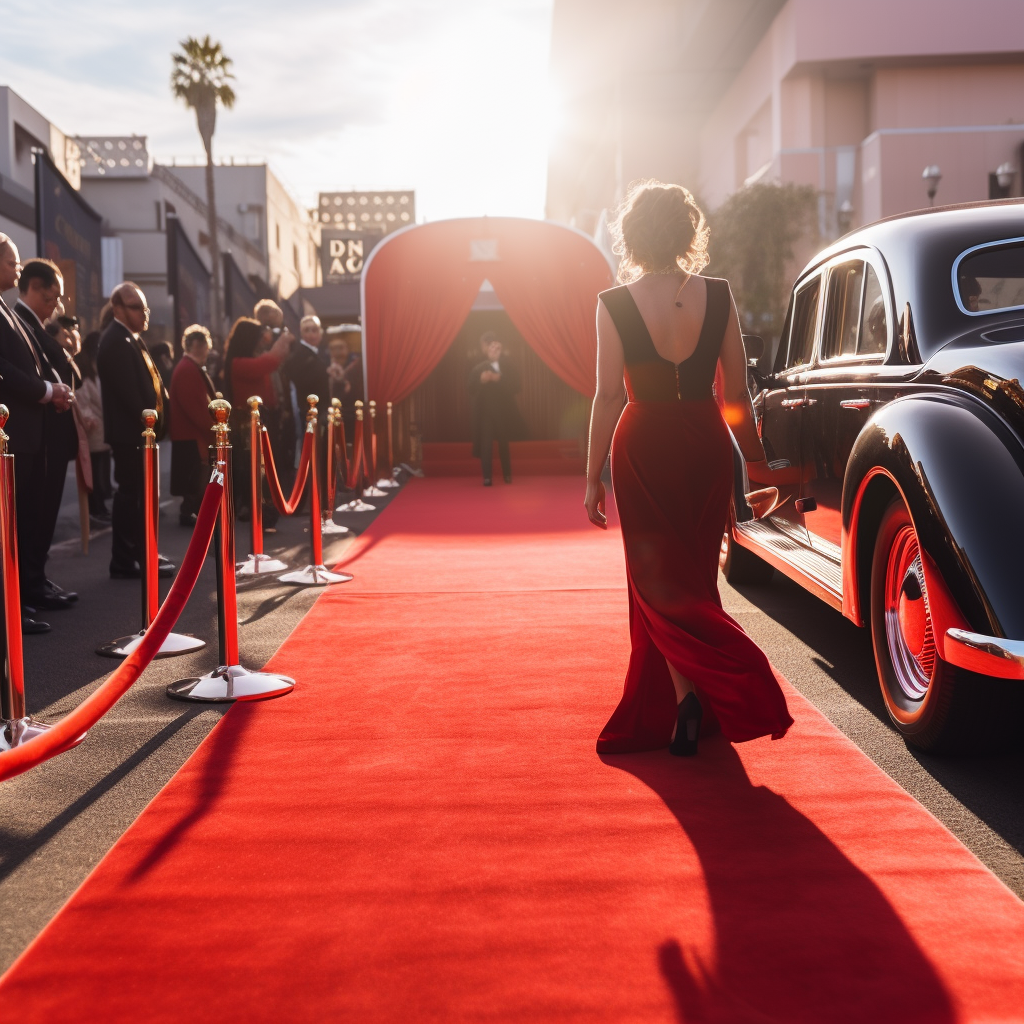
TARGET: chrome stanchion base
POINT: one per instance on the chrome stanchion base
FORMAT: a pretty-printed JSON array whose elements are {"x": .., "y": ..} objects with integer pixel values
[
  {"x": 387, "y": 484},
  {"x": 357, "y": 505},
  {"x": 410, "y": 470},
  {"x": 314, "y": 576},
  {"x": 16, "y": 731},
  {"x": 329, "y": 526},
  {"x": 373, "y": 492},
  {"x": 229, "y": 683},
  {"x": 175, "y": 644},
  {"x": 257, "y": 565}
]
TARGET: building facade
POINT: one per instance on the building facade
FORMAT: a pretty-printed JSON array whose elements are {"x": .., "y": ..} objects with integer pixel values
[
  {"x": 855, "y": 100},
  {"x": 22, "y": 130}
]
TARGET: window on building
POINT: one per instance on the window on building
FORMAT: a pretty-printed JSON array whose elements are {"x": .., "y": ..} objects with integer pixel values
[{"x": 277, "y": 235}]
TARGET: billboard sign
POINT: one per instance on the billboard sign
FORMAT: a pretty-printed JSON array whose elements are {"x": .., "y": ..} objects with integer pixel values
[
  {"x": 344, "y": 253},
  {"x": 374, "y": 212},
  {"x": 68, "y": 232}
]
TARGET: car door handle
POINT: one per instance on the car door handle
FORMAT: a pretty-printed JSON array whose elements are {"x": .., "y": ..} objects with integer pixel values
[
  {"x": 855, "y": 403},
  {"x": 798, "y": 403}
]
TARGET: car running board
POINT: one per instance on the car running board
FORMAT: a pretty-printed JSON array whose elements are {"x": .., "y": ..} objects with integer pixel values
[{"x": 813, "y": 570}]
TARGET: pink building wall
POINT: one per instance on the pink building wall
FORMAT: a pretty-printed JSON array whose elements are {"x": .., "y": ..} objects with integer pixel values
[{"x": 856, "y": 99}]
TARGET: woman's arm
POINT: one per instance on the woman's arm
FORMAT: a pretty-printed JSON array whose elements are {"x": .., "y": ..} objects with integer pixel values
[
  {"x": 733, "y": 395},
  {"x": 604, "y": 413}
]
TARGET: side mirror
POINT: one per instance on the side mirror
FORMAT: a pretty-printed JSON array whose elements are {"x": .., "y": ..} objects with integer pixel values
[{"x": 753, "y": 344}]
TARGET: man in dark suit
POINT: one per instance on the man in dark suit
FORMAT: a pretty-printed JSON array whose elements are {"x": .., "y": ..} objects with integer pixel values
[
  {"x": 306, "y": 373},
  {"x": 39, "y": 291},
  {"x": 493, "y": 386},
  {"x": 130, "y": 383},
  {"x": 27, "y": 388}
]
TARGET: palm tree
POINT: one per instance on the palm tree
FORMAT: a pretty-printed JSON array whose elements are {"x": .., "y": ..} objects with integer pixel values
[{"x": 199, "y": 77}]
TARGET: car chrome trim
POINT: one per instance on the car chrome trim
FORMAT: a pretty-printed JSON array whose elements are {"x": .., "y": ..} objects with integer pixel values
[
  {"x": 813, "y": 570},
  {"x": 986, "y": 655},
  {"x": 956, "y": 289}
]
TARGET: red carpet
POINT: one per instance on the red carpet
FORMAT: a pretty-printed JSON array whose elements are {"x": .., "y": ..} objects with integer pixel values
[
  {"x": 423, "y": 832},
  {"x": 529, "y": 458}
]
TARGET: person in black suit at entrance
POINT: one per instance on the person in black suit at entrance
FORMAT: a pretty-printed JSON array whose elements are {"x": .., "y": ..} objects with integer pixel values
[
  {"x": 40, "y": 491},
  {"x": 26, "y": 388},
  {"x": 493, "y": 386},
  {"x": 306, "y": 373},
  {"x": 130, "y": 383}
]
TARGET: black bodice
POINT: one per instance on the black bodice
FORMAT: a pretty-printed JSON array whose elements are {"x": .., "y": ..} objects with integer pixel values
[{"x": 649, "y": 377}]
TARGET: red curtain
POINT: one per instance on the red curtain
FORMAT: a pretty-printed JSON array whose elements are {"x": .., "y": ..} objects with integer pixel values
[
  {"x": 418, "y": 290},
  {"x": 549, "y": 291},
  {"x": 420, "y": 285}
]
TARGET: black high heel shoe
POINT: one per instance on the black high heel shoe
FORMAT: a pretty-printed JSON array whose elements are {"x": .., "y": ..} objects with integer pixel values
[{"x": 687, "y": 727}]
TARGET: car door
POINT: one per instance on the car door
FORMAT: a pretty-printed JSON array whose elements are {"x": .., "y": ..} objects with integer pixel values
[
  {"x": 782, "y": 408},
  {"x": 842, "y": 389}
]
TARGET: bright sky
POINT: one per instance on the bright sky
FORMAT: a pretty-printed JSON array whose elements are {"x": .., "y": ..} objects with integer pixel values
[{"x": 449, "y": 97}]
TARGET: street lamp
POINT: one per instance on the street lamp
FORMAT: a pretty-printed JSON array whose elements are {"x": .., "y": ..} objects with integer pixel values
[
  {"x": 1004, "y": 175},
  {"x": 931, "y": 176}
]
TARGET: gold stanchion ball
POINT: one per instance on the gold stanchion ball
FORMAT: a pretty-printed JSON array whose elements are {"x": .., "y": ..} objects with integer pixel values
[
  {"x": 254, "y": 403},
  {"x": 336, "y": 402},
  {"x": 149, "y": 418},
  {"x": 220, "y": 410},
  {"x": 5, "y": 415},
  {"x": 311, "y": 400}
]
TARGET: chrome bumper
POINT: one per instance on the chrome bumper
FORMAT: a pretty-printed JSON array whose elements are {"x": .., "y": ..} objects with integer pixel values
[{"x": 987, "y": 655}]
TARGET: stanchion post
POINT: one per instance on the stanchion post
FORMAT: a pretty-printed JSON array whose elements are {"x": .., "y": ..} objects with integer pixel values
[
  {"x": 389, "y": 482},
  {"x": 327, "y": 524},
  {"x": 229, "y": 681},
  {"x": 373, "y": 491},
  {"x": 358, "y": 468},
  {"x": 149, "y": 561},
  {"x": 257, "y": 563},
  {"x": 316, "y": 574},
  {"x": 16, "y": 727}
]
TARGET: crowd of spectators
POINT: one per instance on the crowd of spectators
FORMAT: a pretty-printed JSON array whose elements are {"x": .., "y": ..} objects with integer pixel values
[{"x": 81, "y": 401}]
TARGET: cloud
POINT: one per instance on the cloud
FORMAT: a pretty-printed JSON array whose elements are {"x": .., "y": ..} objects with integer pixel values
[{"x": 445, "y": 96}]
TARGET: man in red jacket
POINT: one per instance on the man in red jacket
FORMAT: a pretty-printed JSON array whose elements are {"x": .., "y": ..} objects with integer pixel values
[{"x": 192, "y": 391}]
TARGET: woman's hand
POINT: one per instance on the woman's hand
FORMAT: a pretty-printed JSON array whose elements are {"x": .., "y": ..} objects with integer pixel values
[{"x": 594, "y": 504}]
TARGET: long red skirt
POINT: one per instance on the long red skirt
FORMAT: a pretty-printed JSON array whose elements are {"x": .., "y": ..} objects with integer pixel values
[{"x": 672, "y": 478}]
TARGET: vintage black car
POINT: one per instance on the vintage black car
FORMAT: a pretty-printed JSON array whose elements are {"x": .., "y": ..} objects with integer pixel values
[{"x": 893, "y": 422}]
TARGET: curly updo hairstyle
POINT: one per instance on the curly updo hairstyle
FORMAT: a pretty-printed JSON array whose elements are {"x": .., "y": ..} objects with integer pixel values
[{"x": 660, "y": 229}]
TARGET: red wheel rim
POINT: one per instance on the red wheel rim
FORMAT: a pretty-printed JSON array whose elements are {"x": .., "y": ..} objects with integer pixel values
[{"x": 908, "y": 621}]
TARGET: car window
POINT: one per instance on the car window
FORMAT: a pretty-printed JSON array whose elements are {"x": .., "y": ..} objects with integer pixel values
[
  {"x": 991, "y": 278},
  {"x": 874, "y": 326},
  {"x": 805, "y": 315},
  {"x": 842, "y": 310}
]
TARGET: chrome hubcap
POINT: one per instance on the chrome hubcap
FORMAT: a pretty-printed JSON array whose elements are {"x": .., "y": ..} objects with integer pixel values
[{"x": 908, "y": 621}]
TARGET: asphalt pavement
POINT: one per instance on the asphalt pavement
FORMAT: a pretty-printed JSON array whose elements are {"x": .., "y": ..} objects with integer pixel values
[{"x": 58, "y": 820}]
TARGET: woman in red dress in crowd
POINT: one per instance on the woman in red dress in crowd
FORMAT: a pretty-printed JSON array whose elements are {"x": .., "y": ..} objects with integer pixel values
[{"x": 664, "y": 333}]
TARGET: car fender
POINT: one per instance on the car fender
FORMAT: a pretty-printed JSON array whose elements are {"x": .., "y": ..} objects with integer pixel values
[{"x": 960, "y": 471}]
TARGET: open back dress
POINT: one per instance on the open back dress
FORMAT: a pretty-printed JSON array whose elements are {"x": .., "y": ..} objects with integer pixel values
[{"x": 672, "y": 475}]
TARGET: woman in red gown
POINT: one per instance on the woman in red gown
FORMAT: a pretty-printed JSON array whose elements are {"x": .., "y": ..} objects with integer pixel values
[{"x": 664, "y": 333}]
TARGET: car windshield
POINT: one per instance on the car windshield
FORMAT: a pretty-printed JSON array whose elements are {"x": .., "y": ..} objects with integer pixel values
[{"x": 990, "y": 279}]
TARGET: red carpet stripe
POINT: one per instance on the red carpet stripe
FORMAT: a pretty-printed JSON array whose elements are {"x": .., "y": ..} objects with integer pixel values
[{"x": 423, "y": 831}]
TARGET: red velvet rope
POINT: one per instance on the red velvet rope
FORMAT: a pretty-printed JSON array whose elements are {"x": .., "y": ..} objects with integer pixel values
[
  {"x": 286, "y": 508},
  {"x": 62, "y": 735}
]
